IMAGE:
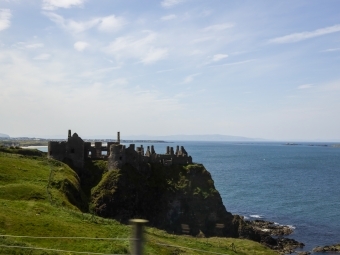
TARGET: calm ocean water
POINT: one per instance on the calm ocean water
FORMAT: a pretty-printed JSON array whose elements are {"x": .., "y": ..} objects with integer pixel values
[{"x": 297, "y": 185}]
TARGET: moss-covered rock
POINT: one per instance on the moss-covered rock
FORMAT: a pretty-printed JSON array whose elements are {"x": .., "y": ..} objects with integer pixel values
[{"x": 179, "y": 199}]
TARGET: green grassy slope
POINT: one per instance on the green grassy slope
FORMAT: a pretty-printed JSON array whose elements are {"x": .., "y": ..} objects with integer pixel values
[{"x": 41, "y": 197}]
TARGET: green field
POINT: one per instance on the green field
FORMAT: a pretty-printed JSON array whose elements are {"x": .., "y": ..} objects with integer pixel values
[{"x": 41, "y": 198}]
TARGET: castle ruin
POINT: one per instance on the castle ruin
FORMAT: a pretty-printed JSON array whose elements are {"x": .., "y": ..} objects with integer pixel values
[{"x": 77, "y": 151}]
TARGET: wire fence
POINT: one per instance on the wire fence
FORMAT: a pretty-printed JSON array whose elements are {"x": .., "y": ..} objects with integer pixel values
[
  {"x": 57, "y": 250},
  {"x": 137, "y": 241},
  {"x": 64, "y": 237},
  {"x": 71, "y": 237},
  {"x": 137, "y": 244}
]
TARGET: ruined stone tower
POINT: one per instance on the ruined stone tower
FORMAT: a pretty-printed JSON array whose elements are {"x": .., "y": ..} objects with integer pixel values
[{"x": 75, "y": 151}]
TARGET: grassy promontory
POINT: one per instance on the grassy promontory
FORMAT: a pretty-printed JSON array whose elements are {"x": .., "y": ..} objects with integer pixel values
[{"x": 45, "y": 198}]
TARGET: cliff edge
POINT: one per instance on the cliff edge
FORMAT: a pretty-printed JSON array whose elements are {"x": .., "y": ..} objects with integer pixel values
[{"x": 181, "y": 199}]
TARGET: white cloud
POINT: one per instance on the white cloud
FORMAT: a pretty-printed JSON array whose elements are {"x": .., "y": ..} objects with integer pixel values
[
  {"x": 171, "y": 3},
  {"x": 107, "y": 23},
  {"x": 203, "y": 39},
  {"x": 69, "y": 94},
  {"x": 219, "y": 57},
  {"x": 5, "y": 16},
  {"x": 218, "y": 27},
  {"x": 234, "y": 63},
  {"x": 305, "y": 86},
  {"x": 71, "y": 25},
  {"x": 80, "y": 46},
  {"x": 99, "y": 72},
  {"x": 296, "y": 37},
  {"x": 143, "y": 48},
  {"x": 42, "y": 57},
  {"x": 154, "y": 54},
  {"x": 34, "y": 45},
  {"x": 169, "y": 17},
  {"x": 331, "y": 50},
  {"x": 25, "y": 45},
  {"x": 110, "y": 23},
  {"x": 190, "y": 78},
  {"x": 55, "y": 4},
  {"x": 165, "y": 70},
  {"x": 215, "y": 58}
]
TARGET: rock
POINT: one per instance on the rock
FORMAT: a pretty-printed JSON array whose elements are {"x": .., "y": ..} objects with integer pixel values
[
  {"x": 271, "y": 228},
  {"x": 282, "y": 244},
  {"x": 289, "y": 243},
  {"x": 304, "y": 253},
  {"x": 180, "y": 200},
  {"x": 327, "y": 248}
]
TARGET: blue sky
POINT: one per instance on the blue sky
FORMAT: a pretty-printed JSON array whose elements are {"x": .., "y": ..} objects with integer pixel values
[{"x": 268, "y": 69}]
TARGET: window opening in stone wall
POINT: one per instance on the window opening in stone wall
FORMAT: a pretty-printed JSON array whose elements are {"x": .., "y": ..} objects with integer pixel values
[
  {"x": 72, "y": 150},
  {"x": 50, "y": 152}
]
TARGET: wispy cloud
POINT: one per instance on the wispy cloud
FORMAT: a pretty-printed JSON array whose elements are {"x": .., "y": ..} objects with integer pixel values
[
  {"x": 215, "y": 58},
  {"x": 5, "y": 16},
  {"x": 36, "y": 93},
  {"x": 171, "y": 3},
  {"x": 234, "y": 63},
  {"x": 203, "y": 39},
  {"x": 169, "y": 17},
  {"x": 110, "y": 23},
  {"x": 34, "y": 45},
  {"x": 71, "y": 25},
  {"x": 55, "y": 4},
  {"x": 98, "y": 72},
  {"x": 218, "y": 57},
  {"x": 190, "y": 78},
  {"x": 25, "y": 45},
  {"x": 154, "y": 54},
  {"x": 106, "y": 24},
  {"x": 296, "y": 37},
  {"x": 164, "y": 71},
  {"x": 142, "y": 48},
  {"x": 42, "y": 57},
  {"x": 80, "y": 46},
  {"x": 331, "y": 50},
  {"x": 218, "y": 27},
  {"x": 305, "y": 86}
]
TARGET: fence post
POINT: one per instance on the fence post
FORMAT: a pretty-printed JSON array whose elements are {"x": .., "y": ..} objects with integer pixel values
[{"x": 137, "y": 236}]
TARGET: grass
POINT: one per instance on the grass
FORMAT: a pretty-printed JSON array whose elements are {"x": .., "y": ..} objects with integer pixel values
[{"x": 38, "y": 197}]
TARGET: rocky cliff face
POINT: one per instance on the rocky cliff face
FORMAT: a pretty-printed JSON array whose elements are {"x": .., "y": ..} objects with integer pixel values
[
  {"x": 178, "y": 199},
  {"x": 181, "y": 199}
]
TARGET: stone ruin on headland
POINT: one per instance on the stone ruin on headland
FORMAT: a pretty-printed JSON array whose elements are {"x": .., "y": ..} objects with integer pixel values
[{"x": 77, "y": 151}]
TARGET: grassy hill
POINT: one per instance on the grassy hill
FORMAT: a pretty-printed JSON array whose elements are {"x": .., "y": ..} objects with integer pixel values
[{"x": 43, "y": 198}]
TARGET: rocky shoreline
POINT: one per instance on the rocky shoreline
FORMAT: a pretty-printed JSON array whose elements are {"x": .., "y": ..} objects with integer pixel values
[
  {"x": 328, "y": 248},
  {"x": 273, "y": 236}
]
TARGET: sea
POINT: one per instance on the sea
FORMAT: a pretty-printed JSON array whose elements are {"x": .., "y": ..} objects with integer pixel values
[{"x": 290, "y": 184}]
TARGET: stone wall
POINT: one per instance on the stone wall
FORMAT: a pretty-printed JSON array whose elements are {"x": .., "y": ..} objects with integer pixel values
[
  {"x": 75, "y": 151},
  {"x": 120, "y": 155}
]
